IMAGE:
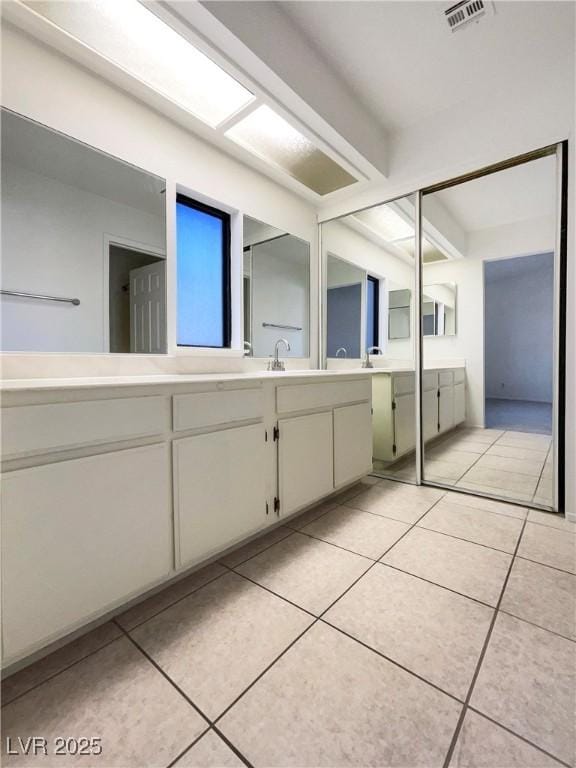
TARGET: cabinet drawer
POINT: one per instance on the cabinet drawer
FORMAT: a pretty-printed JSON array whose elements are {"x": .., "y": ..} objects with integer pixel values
[
  {"x": 429, "y": 381},
  {"x": 34, "y": 429},
  {"x": 446, "y": 378},
  {"x": 404, "y": 384},
  {"x": 305, "y": 397},
  {"x": 207, "y": 409},
  {"x": 459, "y": 375}
]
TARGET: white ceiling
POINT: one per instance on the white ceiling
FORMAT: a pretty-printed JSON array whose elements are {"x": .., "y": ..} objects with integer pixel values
[
  {"x": 522, "y": 193},
  {"x": 405, "y": 65},
  {"x": 32, "y": 146}
]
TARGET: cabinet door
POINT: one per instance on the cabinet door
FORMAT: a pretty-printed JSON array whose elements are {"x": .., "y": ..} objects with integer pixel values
[
  {"x": 404, "y": 424},
  {"x": 352, "y": 442},
  {"x": 219, "y": 490},
  {"x": 446, "y": 408},
  {"x": 430, "y": 413},
  {"x": 79, "y": 537},
  {"x": 305, "y": 460},
  {"x": 459, "y": 403}
]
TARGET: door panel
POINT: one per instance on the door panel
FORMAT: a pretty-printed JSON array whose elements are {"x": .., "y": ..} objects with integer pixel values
[
  {"x": 404, "y": 425},
  {"x": 148, "y": 309},
  {"x": 80, "y": 536},
  {"x": 352, "y": 442},
  {"x": 220, "y": 490},
  {"x": 305, "y": 460}
]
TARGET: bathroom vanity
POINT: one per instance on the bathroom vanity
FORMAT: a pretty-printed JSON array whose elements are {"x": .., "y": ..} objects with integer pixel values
[
  {"x": 113, "y": 486},
  {"x": 394, "y": 404}
]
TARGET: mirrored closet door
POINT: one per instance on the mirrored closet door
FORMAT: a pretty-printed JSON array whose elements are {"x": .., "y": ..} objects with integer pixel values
[
  {"x": 489, "y": 288},
  {"x": 369, "y": 321}
]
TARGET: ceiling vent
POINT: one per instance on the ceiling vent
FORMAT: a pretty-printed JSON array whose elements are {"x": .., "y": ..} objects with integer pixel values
[{"x": 466, "y": 11}]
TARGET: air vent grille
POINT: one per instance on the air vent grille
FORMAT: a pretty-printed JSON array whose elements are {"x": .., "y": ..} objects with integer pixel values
[{"x": 468, "y": 10}]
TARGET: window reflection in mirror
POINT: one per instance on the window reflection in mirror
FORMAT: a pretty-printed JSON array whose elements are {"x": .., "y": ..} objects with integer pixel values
[
  {"x": 276, "y": 291},
  {"x": 439, "y": 309},
  {"x": 83, "y": 247},
  {"x": 488, "y": 325},
  {"x": 369, "y": 317}
]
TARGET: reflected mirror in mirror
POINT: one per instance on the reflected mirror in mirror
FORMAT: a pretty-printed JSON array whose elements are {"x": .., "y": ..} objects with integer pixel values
[
  {"x": 83, "y": 247},
  {"x": 489, "y": 334},
  {"x": 276, "y": 291},
  {"x": 369, "y": 283},
  {"x": 439, "y": 309}
]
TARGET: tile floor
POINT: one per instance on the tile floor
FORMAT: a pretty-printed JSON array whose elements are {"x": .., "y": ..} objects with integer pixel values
[
  {"x": 514, "y": 465},
  {"x": 390, "y": 626}
]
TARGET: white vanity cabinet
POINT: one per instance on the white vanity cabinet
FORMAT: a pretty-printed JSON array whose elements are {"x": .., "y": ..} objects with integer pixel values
[
  {"x": 305, "y": 460},
  {"x": 219, "y": 490},
  {"x": 394, "y": 406},
  {"x": 110, "y": 491},
  {"x": 322, "y": 451},
  {"x": 80, "y": 537}
]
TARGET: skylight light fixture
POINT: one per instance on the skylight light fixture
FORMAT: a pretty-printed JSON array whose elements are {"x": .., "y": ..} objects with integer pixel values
[
  {"x": 268, "y": 135},
  {"x": 384, "y": 221},
  {"x": 132, "y": 37}
]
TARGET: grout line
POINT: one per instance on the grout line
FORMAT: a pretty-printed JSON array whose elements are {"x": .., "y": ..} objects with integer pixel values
[
  {"x": 165, "y": 608},
  {"x": 64, "y": 669},
  {"x": 189, "y": 747},
  {"x": 481, "y": 657},
  {"x": 539, "y": 626},
  {"x": 435, "y": 584},
  {"x": 253, "y": 541},
  {"x": 182, "y": 693},
  {"x": 231, "y": 746},
  {"x": 458, "y": 503},
  {"x": 554, "y": 567},
  {"x": 541, "y": 473},
  {"x": 469, "y": 541},
  {"x": 271, "y": 591},
  {"x": 518, "y": 736},
  {"x": 309, "y": 627},
  {"x": 391, "y": 660}
]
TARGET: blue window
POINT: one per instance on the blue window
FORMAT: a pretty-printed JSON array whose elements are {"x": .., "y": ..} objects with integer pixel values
[
  {"x": 372, "y": 314},
  {"x": 203, "y": 275}
]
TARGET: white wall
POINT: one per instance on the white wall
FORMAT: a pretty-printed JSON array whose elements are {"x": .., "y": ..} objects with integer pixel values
[
  {"x": 53, "y": 243},
  {"x": 84, "y": 106},
  {"x": 519, "y": 328}
]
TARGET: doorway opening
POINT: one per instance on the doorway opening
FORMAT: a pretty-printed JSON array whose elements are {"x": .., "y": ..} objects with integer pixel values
[
  {"x": 136, "y": 301},
  {"x": 518, "y": 343}
]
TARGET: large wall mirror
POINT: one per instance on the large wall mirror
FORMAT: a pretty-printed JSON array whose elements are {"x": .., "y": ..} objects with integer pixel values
[
  {"x": 276, "y": 288},
  {"x": 369, "y": 279},
  {"x": 83, "y": 247},
  {"x": 489, "y": 310}
]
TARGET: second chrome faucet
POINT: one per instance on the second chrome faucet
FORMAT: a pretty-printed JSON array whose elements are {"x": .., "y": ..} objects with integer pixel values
[{"x": 275, "y": 364}]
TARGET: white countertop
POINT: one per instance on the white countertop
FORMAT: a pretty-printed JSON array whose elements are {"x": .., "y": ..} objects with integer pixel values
[{"x": 86, "y": 382}]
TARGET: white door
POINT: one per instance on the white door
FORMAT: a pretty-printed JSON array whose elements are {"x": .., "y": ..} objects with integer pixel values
[
  {"x": 219, "y": 490},
  {"x": 80, "y": 537},
  {"x": 459, "y": 403},
  {"x": 404, "y": 423},
  {"x": 446, "y": 408},
  {"x": 305, "y": 460},
  {"x": 148, "y": 308},
  {"x": 352, "y": 443},
  {"x": 430, "y": 413}
]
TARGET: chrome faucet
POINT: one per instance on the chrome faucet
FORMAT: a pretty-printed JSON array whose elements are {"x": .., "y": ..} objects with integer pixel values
[
  {"x": 275, "y": 364},
  {"x": 367, "y": 363},
  {"x": 247, "y": 348},
  {"x": 341, "y": 349}
]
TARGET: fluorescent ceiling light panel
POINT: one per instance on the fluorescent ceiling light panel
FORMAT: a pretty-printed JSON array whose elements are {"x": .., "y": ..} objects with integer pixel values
[
  {"x": 387, "y": 223},
  {"x": 273, "y": 139},
  {"x": 133, "y": 38}
]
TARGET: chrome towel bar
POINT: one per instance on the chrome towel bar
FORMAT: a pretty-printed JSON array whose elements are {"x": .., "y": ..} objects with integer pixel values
[
  {"x": 284, "y": 327},
  {"x": 40, "y": 296}
]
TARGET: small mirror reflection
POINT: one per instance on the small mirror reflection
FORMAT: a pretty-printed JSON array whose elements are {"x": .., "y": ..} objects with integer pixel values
[{"x": 276, "y": 291}]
